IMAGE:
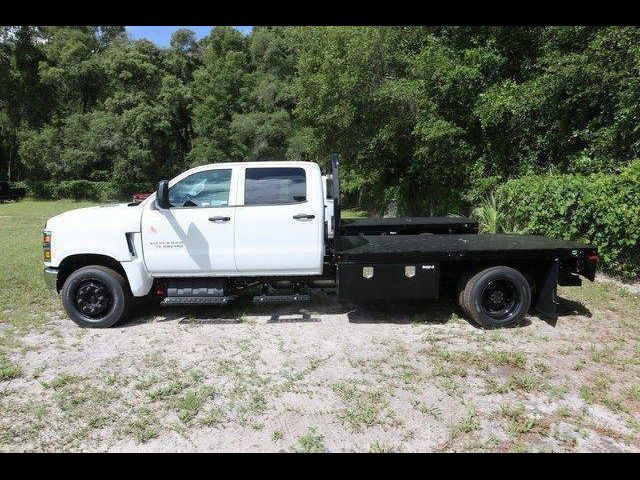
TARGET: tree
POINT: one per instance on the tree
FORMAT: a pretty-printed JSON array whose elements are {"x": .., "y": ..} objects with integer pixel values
[
  {"x": 220, "y": 89},
  {"x": 24, "y": 100},
  {"x": 426, "y": 118}
]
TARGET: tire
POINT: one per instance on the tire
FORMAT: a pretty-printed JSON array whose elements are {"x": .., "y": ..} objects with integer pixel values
[
  {"x": 497, "y": 297},
  {"x": 462, "y": 282},
  {"x": 96, "y": 297}
]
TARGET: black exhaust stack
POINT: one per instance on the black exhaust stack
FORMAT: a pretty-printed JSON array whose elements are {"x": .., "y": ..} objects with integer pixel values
[{"x": 335, "y": 163}]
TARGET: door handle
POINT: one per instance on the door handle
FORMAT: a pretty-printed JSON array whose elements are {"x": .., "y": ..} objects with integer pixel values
[
  {"x": 219, "y": 219},
  {"x": 300, "y": 216}
]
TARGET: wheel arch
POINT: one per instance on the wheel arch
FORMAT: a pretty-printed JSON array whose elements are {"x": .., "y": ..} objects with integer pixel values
[
  {"x": 463, "y": 271},
  {"x": 73, "y": 262}
]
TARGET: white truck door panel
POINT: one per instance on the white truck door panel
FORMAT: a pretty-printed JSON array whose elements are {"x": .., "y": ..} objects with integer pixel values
[
  {"x": 279, "y": 224},
  {"x": 194, "y": 237}
]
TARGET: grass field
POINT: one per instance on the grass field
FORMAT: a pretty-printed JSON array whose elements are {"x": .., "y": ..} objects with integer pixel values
[
  {"x": 352, "y": 213},
  {"x": 391, "y": 377},
  {"x": 24, "y": 301}
]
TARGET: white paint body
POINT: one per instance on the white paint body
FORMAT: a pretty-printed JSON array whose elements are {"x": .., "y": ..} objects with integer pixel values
[{"x": 257, "y": 240}]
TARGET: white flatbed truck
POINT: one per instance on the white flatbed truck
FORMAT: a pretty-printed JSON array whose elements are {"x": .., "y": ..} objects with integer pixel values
[{"x": 220, "y": 231}]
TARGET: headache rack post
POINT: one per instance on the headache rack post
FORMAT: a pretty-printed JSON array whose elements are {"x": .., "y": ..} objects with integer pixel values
[{"x": 335, "y": 163}]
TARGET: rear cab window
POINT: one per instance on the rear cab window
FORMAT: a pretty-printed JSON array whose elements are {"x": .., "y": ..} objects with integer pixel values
[{"x": 275, "y": 186}]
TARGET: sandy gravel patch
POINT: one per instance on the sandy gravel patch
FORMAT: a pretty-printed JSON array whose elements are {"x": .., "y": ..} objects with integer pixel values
[{"x": 347, "y": 377}]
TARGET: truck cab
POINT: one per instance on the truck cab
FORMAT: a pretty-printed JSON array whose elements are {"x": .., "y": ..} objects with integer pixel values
[
  {"x": 225, "y": 220},
  {"x": 237, "y": 219}
]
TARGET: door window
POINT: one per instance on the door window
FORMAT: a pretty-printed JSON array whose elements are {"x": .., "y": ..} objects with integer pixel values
[
  {"x": 275, "y": 186},
  {"x": 209, "y": 188}
]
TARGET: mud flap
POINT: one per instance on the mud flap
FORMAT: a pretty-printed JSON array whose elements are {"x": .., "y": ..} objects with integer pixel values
[{"x": 547, "y": 283}]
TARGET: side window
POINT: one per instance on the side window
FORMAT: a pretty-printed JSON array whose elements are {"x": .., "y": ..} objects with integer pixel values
[
  {"x": 274, "y": 186},
  {"x": 209, "y": 188}
]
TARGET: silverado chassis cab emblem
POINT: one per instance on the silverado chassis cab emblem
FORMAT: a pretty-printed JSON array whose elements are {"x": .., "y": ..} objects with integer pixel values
[{"x": 177, "y": 244}]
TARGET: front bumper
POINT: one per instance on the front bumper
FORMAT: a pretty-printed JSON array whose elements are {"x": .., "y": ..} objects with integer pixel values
[{"x": 51, "y": 279}]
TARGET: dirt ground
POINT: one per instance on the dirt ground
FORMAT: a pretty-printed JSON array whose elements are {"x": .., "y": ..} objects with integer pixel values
[{"x": 348, "y": 377}]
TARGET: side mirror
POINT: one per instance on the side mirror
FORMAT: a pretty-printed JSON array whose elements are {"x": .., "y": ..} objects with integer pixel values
[{"x": 162, "y": 194}]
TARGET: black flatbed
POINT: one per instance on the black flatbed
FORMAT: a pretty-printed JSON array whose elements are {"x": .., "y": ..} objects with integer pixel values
[
  {"x": 364, "y": 248},
  {"x": 407, "y": 225},
  {"x": 422, "y": 257}
]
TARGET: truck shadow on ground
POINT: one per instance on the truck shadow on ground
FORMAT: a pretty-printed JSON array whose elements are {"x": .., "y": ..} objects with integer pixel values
[
  {"x": 435, "y": 312},
  {"x": 568, "y": 308}
]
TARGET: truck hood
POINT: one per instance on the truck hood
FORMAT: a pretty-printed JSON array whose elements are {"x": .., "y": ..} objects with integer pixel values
[{"x": 119, "y": 217}]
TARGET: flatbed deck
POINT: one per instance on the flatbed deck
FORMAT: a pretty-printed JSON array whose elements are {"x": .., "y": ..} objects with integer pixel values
[{"x": 363, "y": 248}]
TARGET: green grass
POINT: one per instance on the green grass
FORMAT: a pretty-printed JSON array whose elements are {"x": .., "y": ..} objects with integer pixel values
[
  {"x": 24, "y": 299},
  {"x": 377, "y": 447},
  {"x": 518, "y": 422},
  {"x": 142, "y": 427},
  {"x": 173, "y": 388},
  {"x": 189, "y": 405},
  {"x": 469, "y": 423},
  {"x": 311, "y": 442},
  {"x": 364, "y": 407},
  {"x": 352, "y": 213},
  {"x": 8, "y": 370},
  {"x": 62, "y": 380}
]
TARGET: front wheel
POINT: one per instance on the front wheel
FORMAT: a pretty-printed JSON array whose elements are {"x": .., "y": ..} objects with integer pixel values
[
  {"x": 496, "y": 297},
  {"x": 95, "y": 296}
]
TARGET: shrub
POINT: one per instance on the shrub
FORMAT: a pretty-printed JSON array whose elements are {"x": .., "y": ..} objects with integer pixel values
[
  {"x": 490, "y": 215},
  {"x": 73, "y": 189},
  {"x": 82, "y": 190},
  {"x": 36, "y": 189},
  {"x": 598, "y": 209}
]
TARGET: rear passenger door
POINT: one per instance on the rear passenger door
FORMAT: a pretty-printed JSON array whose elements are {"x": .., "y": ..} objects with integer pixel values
[{"x": 279, "y": 217}]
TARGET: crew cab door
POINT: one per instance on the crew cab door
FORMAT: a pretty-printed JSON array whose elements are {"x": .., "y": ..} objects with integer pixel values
[
  {"x": 279, "y": 221},
  {"x": 195, "y": 236}
]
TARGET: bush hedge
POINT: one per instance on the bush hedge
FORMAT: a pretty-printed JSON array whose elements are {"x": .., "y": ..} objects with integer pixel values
[
  {"x": 79, "y": 190},
  {"x": 73, "y": 189},
  {"x": 599, "y": 209}
]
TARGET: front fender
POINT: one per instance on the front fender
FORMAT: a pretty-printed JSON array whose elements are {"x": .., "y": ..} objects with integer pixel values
[{"x": 139, "y": 279}]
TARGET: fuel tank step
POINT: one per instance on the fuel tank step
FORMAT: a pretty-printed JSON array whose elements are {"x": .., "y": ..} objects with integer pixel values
[
  {"x": 195, "y": 287},
  {"x": 195, "y": 301}
]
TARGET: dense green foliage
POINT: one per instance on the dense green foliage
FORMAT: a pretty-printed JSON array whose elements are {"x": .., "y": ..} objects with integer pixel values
[
  {"x": 69, "y": 189},
  {"x": 600, "y": 209},
  {"x": 429, "y": 119},
  {"x": 492, "y": 215}
]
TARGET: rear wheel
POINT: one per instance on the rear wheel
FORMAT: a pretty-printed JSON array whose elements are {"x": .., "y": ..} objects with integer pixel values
[
  {"x": 496, "y": 297},
  {"x": 96, "y": 296},
  {"x": 462, "y": 282}
]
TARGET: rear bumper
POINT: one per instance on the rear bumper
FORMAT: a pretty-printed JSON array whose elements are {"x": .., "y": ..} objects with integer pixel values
[{"x": 51, "y": 279}]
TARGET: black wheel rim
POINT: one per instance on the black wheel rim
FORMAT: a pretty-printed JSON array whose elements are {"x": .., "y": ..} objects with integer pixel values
[
  {"x": 499, "y": 299},
  {"x": 93, "y": 298}
]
